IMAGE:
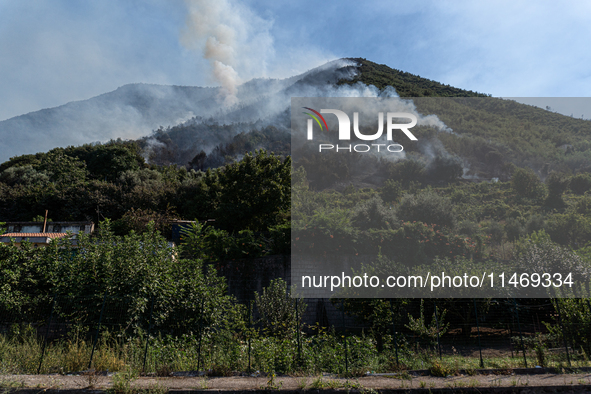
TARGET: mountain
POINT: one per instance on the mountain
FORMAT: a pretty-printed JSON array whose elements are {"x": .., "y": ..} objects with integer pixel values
[
  {"x": 485, "y": 134},
  {"x": 463, "y": 136},
  {"x": 128, "y": 112},
  {"x": 135, "y": 110},
  {"x": 189, "y": 126}
]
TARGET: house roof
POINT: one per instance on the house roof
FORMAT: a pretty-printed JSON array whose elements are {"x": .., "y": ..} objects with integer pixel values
[
  {"x": 49, "y": 223},
  {"x": 33, "y": 235}
]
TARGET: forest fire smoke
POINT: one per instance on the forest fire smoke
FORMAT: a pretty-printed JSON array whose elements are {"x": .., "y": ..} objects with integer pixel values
[
  {"x": 204, "y": 22},
  {"x": 226, "y": 32}
]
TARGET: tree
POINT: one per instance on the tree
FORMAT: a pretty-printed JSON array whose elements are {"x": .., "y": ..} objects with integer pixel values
[
  {"x": 445, "y": 169},
  {"x": 62, "y": 169},
  {"x": 107, "y": 161},
  {"x": 540, "y": 255},
  {"x": 198, "y": 161},
  {"x": 391, "y": 191},
  {"x": 255, "y": 192},
  {"x": 580, "y": 183},
  {"x": 278, "y": 309},
  {"x": 406, "y": 171},
  {"x": 140, "y": 220},
  {"x": 427, "y": 207},
  {"x": 132, "y": 270},
  {"x": 557, "y": 184},
  {"x": 372, "y": 214},
  {"x": 526, "y": 183},
  {"x": 570, "y": 228}
]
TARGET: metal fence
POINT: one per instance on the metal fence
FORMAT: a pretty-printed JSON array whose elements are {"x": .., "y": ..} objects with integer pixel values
[{"x": 57, "y": 333}]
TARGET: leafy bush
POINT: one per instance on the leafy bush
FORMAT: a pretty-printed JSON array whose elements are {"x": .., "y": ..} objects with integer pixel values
[
  {"x": 391, "y": 191},
  {"x": 526, "y": 183},
  {"x": 535, "y": 223},
  {"x": 569, "y": 229},
  {"x": 542, "y": 256},
  {"x": 406, "y": 171},
  {"x": 557, "y": 183},
  {"x": 427, "y": 207},
  {"x": 23, "y": 175},
  {"x": 278, "y": 310},
  {"x": 580, "y": 183},
  {"x": 145, "y": 177},
  {"x": 205, "y": 242},
  {"x": 514, "y": 229},
  {"x": 576, "y": 320},
  {"x": 373, "y": 214},
  {"x": 428, "y": 332},
  {"x": 137, "y": 220},
  {"x": 468, "y": 227},
  {"x": 445, "y": 169}
]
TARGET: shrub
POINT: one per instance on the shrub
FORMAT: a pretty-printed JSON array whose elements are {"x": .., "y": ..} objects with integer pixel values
[
  {"x": 514, "y": 229},
  {"x": 446, "y": 169},
  {"x": 557, "y": 184},
  {"x": 24, "y": 175},
  {"x": 535, "y": 223},
  {"x": 580, "y": 183},
  {"x": 468, "y": 227},
  {"x": 427, "y": 207},
  {"x": 278, "y": 310},
  {"x": 526, "y": 183},
  {"x": 373, "y": 214},
  {"x": 539, "y": 255},
  {"x": 406, "y": 171},
  {"x": 391, "y": 191}
]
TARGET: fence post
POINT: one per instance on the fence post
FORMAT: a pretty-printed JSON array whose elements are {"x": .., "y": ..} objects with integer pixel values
[
  {"x": 520, "y": 333},
  {"x": 345, "y": 336},
  {"x": 478, "y": 328},
  {"x": 250, "y": 333},
  {"x": 510, "y": 331},
  {"x": 148, "y": 336},
  {"x": 98, "y": 328},
  {"x": 46, "y": 334},
  {"x": 200, "y": 333},
  {"x": 298, "y": 332},
  {"x": 437, "y": 323},
  {"x": 589, "y": 306},
  {"x": 563, "y": 333},
  {"x": 394, "y": 332}
]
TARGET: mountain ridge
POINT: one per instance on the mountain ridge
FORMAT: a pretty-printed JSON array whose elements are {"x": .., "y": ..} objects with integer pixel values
[{"x": 175, "y": 124}]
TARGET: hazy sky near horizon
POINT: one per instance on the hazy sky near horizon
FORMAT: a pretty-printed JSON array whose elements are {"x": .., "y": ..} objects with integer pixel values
[{"x": 56, "y": 51}]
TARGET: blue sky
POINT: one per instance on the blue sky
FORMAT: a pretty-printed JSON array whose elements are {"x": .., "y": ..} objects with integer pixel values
[{"x": 56, "y": 51}]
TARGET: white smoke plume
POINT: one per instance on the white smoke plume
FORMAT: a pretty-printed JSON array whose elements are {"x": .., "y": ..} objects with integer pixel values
[{"x": 234, "y": 40}]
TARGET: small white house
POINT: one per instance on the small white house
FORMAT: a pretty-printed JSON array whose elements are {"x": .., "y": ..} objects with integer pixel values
[{"x": 41, "y": 234}]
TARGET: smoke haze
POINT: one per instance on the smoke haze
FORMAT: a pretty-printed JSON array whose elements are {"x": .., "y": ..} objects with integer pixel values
[{"x": 234, "y": 40}]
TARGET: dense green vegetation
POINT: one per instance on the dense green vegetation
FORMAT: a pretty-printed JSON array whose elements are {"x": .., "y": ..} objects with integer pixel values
[
  {"x": 406, "y": 84},
  {"x": 489, "y": 133},
  {"x": 184, "y": 144},
  {"x": 527, "y": 205},
  {"x": 112, "y": 181},
  {"x": 461, "y": 226}
]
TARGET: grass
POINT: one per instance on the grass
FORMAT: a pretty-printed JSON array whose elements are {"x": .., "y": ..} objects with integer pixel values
[
  {"x": 225, "y": 355},
  {"x": 8, "y": 385},
  {"x": 122, "y": 382},
  {"x": 302, "y": 383},
  {"x": 203, "y": 383}
]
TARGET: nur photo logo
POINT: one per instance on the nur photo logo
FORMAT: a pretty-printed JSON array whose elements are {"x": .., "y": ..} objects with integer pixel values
[{"x": 344, "y": 130}]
